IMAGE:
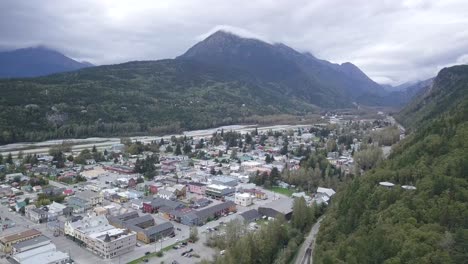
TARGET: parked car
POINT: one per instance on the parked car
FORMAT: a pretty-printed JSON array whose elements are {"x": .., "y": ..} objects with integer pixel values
[{"x": 147, "y": 253}]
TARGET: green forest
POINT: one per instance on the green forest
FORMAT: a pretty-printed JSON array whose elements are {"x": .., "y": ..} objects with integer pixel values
[
  {"x": 369, "y": 223},
  {"x": 135, "y": 98}
]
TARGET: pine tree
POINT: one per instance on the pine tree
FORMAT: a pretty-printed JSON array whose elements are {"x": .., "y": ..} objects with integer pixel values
[{"x": 177, "y": 150}]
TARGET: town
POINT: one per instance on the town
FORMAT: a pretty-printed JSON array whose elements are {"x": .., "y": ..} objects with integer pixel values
[{"x": 167, "y": 200}]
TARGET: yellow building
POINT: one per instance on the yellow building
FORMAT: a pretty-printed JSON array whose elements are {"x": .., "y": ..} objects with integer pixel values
[{"x": 7, "y": 241}]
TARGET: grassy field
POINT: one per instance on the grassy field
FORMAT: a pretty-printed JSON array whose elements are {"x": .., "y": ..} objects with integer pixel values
[{"x": 287, "y": 192}]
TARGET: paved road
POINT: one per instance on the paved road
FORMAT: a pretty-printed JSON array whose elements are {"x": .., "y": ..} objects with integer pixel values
[{"x": 307, "y": 248}]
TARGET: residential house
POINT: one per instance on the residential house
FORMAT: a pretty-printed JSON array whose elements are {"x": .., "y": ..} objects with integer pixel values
[
  {"x": 257, "y": 193},
  {"x": 83, "y": 201},
  {"x": 37, "y": 215},
  {"x": 202, "y": 202},
  {"x": 167, "y": 194},
  {"x": 197, "y": 187},
  {"x": 180, "y": 190}
]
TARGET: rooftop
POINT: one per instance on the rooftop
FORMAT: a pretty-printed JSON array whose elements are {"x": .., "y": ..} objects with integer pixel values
[
  {"x": 20, "y": 235},
  {"x": 30, "y": 242}
]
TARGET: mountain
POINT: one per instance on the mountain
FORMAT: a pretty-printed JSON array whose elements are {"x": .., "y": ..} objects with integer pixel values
[
  {"x": 148, "y": 97},
  {"x": 224, "y": 79},
  {"x": 38, "y": 61},
  {"x": 300, "y": 74},
  {"x": 369, "y": 223}
]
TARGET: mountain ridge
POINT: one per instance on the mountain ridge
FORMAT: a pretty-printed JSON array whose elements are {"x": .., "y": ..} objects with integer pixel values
[{"x": 35, "y": 62}]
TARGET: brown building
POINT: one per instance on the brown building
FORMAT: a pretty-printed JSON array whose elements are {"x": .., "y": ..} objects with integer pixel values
[{"x": 7, "y": 241}]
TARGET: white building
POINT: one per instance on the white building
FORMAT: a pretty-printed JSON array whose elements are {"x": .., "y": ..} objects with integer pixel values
[
  {"x": 100, "y": 237},
  {"x": 46, "y": 254},
  {"x": 323, "y": 195},
  {"x": 243, "y": 199}
]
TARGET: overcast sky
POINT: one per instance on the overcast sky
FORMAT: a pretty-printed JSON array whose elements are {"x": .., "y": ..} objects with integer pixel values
[{"x": 391, "y": 41}]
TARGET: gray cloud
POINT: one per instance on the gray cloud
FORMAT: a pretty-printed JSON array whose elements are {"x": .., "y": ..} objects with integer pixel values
[{"x": 392, "y": 41}]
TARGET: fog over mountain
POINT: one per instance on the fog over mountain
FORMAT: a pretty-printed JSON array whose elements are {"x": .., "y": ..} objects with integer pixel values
[{"x": 392, "y": 42}]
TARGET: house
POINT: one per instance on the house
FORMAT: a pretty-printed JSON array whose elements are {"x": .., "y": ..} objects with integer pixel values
[
  {"x": 249, "y": 216},
  {"x": 153, "y": 188},
  {"x": 37, "y": 188},
  {"x": 19, "y": 205},
  {"x": 243, "y": 199},
  {"x": 90, "y": 197},
  {"x": 68, "y": 192},
  {"x": 197, "y": 187},
  {"x": 202, "y": 202},
  {"x": 16, "y": 176},
  {"x": 323, "y": 195},
  {"x": 131, "y": 183},
  {"x": 55, "y": 210},
  {"x": 180, "y": 190},
  {"x": 37, "y": 215},
  {"x": 7, "y": 241},
  {"x": 166, "y": 194},
  {"x": 257, "y": 193}
]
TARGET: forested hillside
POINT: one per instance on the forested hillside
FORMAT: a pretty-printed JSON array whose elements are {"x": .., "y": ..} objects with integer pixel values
[
  {"x": 369, "y": 223},
  {"x": 136, "y": 97}
]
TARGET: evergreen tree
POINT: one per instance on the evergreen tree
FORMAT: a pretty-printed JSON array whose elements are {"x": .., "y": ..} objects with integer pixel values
[
  {"x": 177, "y": 150},
  {"x": 9, "y": 159}
]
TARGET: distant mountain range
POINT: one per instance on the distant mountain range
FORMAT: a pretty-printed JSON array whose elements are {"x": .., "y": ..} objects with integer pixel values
[
  {"x": 298, "y": 74},
  {"x": 34, "y": 62},
  {"x": 224, "y": 79}
]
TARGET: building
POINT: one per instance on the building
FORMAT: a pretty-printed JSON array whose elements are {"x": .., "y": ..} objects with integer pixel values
[
  {"x": 46, "y": 254},
  {"x": 224, "y": 180},
  {"x": 83, "y": 201},
  {"x": 144, "y": 226},
  {"x": 257, "y": 193},
  {"x": 249, "y": 216},
  {"x": 243, "y": 199},
  {"x": 196, "y": 187},
  {"x": 157, "y": 203},
  {"x": 7, "y": 241},
  {"x": 219, "y": 191},
  {"x": 323, "y": 195},
  {"x": 204, "y": 215},
  {"x": 37, "y": 215},
  {"x": 100, "y": 237},
  {"x": 29, "y": 244},
  {"x": 281, "y": 207},
  {"x": 55, "y": 210}
]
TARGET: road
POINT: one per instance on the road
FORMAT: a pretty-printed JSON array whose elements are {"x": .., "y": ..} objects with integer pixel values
[{"x": 305, "y": 253}]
